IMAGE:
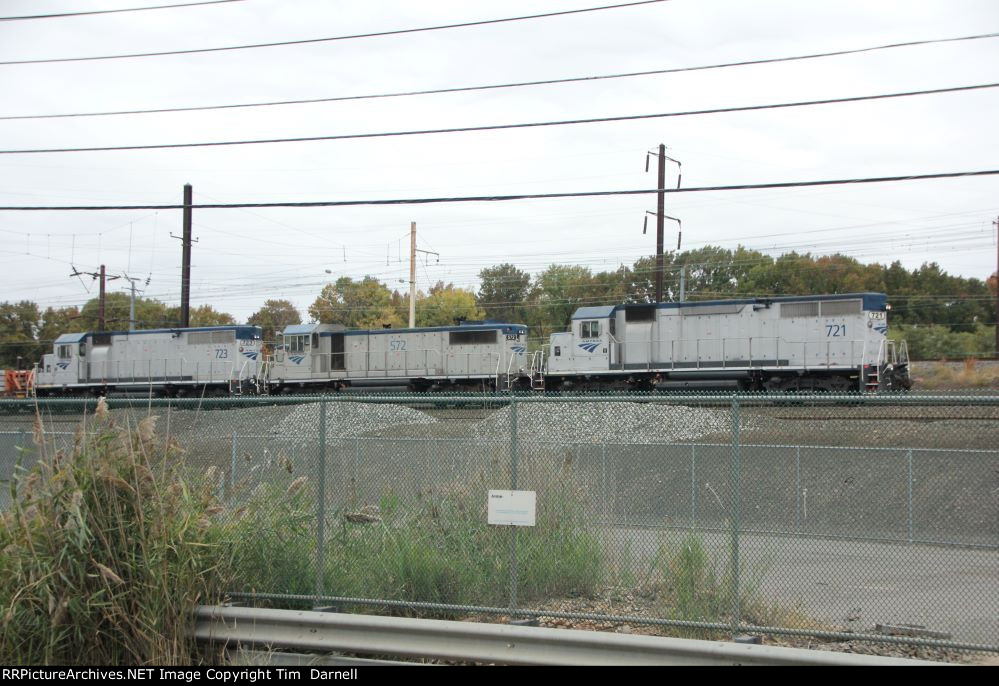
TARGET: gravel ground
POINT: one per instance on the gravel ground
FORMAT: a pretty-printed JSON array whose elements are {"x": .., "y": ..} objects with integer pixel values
[
  {"x": 349, "y": 419},
  {"x": 627, "y": 602},
  {"x": 607, "y": 422}
]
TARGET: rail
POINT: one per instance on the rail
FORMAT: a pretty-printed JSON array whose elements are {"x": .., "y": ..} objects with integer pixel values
[{"x": 491, "y": 643}]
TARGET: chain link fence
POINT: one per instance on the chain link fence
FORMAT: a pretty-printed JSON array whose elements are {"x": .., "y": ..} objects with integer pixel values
[{"x": 709, "y": 515}]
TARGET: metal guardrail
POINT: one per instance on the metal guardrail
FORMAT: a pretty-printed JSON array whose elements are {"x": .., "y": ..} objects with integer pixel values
[{"x": 491, "y": 643}]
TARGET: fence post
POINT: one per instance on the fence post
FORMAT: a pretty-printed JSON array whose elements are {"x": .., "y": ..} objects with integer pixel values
[
  {"x": 19, "y": 454},
  {"x": 321, "y": 503},
  {"x": 736, "y": 504},
  {"x": 797, "y": 488},
  {"x": 513, "y": 487},
  {"x": 909, "y": 460},
  {"x": 354, "y": 477},
  {"x": 603, "y": 479},
  {"x": 232, "y": 468},
  {"x": 693, "y": 487}
]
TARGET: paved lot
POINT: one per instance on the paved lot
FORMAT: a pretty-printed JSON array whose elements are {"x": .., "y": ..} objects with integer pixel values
[{"x": 855, "y": 585}]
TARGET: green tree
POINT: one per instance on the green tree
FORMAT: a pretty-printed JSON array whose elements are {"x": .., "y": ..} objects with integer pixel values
[
  {"x": 20, "y": 323},
  {"x": 444, "y": 304},
  {"x": 363, "y": 304},
  {"x": 206, "y": 315},
  {"x": 556, "y": 294},
  {"x": 503, "y": 292},
  {"x": 55, "y": 322},
  {"x": 274, "y": 316},
  {"x": 149, "y": 313}
]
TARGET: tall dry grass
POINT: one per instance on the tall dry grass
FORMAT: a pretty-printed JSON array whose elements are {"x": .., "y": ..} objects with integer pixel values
[{"x": 106, "y": 550}]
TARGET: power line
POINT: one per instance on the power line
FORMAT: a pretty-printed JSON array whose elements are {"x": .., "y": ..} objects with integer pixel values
[
  {"x": 505, "y": 198},
  {"x": 498, "y": 127},
  {"x": 546, "y": 82},
  {"x": 130, "y": 9},
  {"x": 331, "y": 38}
]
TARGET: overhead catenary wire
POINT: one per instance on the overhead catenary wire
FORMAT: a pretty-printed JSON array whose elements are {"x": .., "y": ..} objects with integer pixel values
[
  {"x": 62, "y": 15},
  {"x": 328, "y": 39},
  {"x": 692, "y": 261},
  {"x": 500, "y": 127},
  {"x": 521, "y": 84},
  {"x": 253, "y": 288},
  {"x": 507, "y": 198}
]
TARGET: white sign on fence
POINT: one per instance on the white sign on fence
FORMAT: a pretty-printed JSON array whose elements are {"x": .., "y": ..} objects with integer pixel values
[{"x": 512, "y": 508}]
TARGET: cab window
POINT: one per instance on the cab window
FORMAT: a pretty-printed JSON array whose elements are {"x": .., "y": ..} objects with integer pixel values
[{"x": 590, "y": 329}]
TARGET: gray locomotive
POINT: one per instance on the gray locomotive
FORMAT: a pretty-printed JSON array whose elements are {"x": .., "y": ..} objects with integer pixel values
[{"x": 835, "y": 343}]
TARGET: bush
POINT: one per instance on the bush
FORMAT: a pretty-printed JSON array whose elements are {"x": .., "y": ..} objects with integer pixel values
[{"x": 935, "y": 342}]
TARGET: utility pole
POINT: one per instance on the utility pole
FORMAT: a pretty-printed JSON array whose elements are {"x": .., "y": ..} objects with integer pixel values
[
  {"x": 131, "y": 307},
  {"x": 101, "y": 300},
  {"x": 660, "y": 221},
  {"x": 185, "y": 277},
  {"x": 996, "y": 222},
  {"x": 661, "y": 212},
  {"x": 412, "y": 272},
  {"x": 100, "y": 306},
  {"x": 412, "y": 275},
  {"x": 185, "y": 269}
]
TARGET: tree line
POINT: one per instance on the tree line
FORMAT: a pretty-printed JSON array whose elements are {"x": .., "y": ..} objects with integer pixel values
[{"x": 940, "y": 314}]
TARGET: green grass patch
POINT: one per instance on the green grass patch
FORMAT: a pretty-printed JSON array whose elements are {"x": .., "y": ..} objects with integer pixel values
[
  {"x": 695, "y": 583},
  {"x": 431, "y": 546}
]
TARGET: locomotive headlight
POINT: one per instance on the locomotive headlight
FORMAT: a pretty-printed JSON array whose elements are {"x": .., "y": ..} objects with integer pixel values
[{"x": 240, "y": 348}]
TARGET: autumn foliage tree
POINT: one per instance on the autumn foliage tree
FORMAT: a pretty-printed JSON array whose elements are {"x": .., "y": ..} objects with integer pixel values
[{"x": 274, "y": 316}]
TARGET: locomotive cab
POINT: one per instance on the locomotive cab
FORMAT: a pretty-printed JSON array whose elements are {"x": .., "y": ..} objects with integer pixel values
[
  {"x": 589, "y": 345},
  {"x": 309, "y": 352},
  {"x": 62, "y": 367}
]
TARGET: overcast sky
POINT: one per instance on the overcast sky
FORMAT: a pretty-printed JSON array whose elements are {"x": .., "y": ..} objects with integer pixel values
[{"x": 244, "y": 257}]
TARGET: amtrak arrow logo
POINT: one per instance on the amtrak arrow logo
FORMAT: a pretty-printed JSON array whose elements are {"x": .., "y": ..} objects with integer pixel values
[
  {"x": 589, "y": 347},
  {"x": 519, "y": 349},
  {"x": 297, "y": 359}
]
